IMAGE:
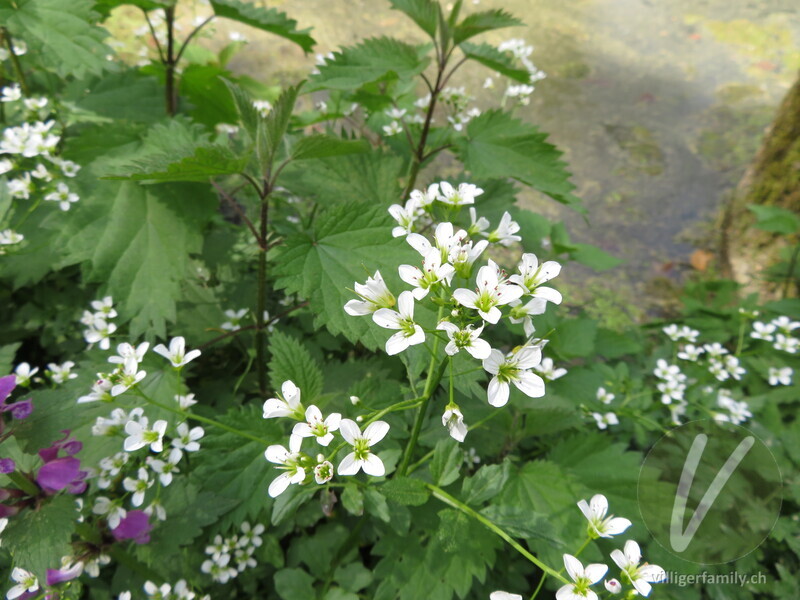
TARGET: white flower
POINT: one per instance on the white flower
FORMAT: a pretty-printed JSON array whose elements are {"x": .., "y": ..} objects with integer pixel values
[
  {"x": 251, "y": 536},
  {"x": 61, "y": 373},
  {"x": 362, "y": 457},
  {"x": 409, "y": 333},
  {"x": 219, "y": 570},
  {"x": 155, "y": 592},
  {"x": 547, "y": 370},
  {"x": 105, "y": 306},
  {"x": 392, "y": 128},
  {"x": 23, "y": 373},
  {"x": 425, "y": 197},
  {"x": 290, "y": 464},
  {"x": 532, "y": 275},
  {"x": 467, "y": 338},
  {"x": 374, "y": 295},
  {"x": 505, "y": 232},
  {"x": 138, "y": 486},
  {"x": 63, "y": 196},
  {"x": 718, "y": 370},
  {"x": 157, "y": 509},
  {"x": 101, "y": 391},
  {"x": 405, "y": 217},
  {"x": 140, "y": 436},
  {"x": 176, "y": 354},
  {"x": 187, "y": 439},
  {"x": 780, "y": 376},
  {"x": 600, "y": 525},
  {"x": 234, "y": 322},
  {"x": 446, "y": 239},
  {"x": 785, "y": 324},
  {"x": 666, "y": 371},
  {"x": 126, "y": 351},
  {"x": 480, "y": 225},
  {"x": 323, "y": 472},
  {"x": 613, "y": 586},
  {"x": 522, "y": 313},
  {"x": 739, "y": 411},
  {"x": 733, "y": 368},
  {"x": 582, "y": 577},
  {"x": 128, "y": 377},
  {"x": 165, "y": 469},
  {"x": 690, "y": 352},
  {"x": 111, "y": 508},
  {"x": 237, "y": 36},
  {"x": 604, "y": 396},
  {"x": 35, "y": 104},
  {"x": 786, "y": 344},
  {"x": 112, "y": 425},
  {"x": 671, "y": 390},
  {"x": 9, "y": 237},
  {"x": 762, "y": 331},
  {"x": 41, "y": 172},
  {"x": 432, "y": 272},
  {"x": 521, "y": 92},
  {"x": 640, "y": 576},
  {"x": 21, "y": 187},
  {"x": 491, "y": 292},
  {"x": 514, "y": 368},
  {"x": 464, "y": 256},
  {"x": 500, "y": 595},
  {"x": 465, "y": 194},
  {"x": 603, "y": 421},
  {"x": 454, "y": 421},
  {"x": 287, "y": 406},
  {"x": 25, "y": 580},
  {"x": 100, "y": 334},
  {"x": 185, "y": 402},
  {"x": 11, "y": 93},
  {"x": 262, "y": 106},
  {"x": 715, "y": 350},
  {"x": 315, "y": 426}
]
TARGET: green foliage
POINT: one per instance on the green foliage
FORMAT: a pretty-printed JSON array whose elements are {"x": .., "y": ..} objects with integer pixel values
[
  {"x": 63, "y": 32},
  {"x": 775, "y": 219},
  {"x": 481, "y": 22},
  {"x": 491, "y": 57},
  {"x": 376, "y": 59},
  {"x": 406, "y": 491},
  {"x": 425, "y": 13},
  {"x": 326, "y": 146},
  {"x": 290, "y": 360},
  {"x": 266, "y": 19}
]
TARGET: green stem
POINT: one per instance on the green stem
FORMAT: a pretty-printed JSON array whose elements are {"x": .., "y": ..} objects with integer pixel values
[
  {"x": 169, "y": 63},
  {"x": 23, "y": 83},
  {"x": 23, "y": 483},
  {"x": 434, "y": 376},
  {"x": 206, "y": 420},
  {"x": 443, "y": 496}
]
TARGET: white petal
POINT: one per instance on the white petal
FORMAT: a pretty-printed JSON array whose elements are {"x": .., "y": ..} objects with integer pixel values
[
  {"x": 451, "y": 349},
  {"x": 387, "y": 318},
  {"x": 479, "y": 349},
  {"x": 617, "y": 525},
  {"x": 279, "y": 485},
  {"x": 405, "y": 304},
  {"x": 642, "y": 587},
  {"x": 548, "y": 293},
  {"x": 275, "y": 408},
  {"x": 619, "y": 558},
  {"x": 276, "y": 454},
  {"x": 466, "y": 297},
  {"x": 498, "y": 393},
  {"x": 567, "y": 592},
  {"x": 587, "y": 512},
  {"x": 373, "y": 466},
  {"x": 450, "y": 328},
  {"x": 418, "y": 337},
  {"x": 397, "y": 343},
  {"x": 313, "y": 414},
  {"x": 632, "y": 552},
  {"x": 349, "y": 465},
  {"x": 349, "y": 430},
  {"x": 411, "y": 275},
  {"x": 652, "y": 573},
  {"x": 573, "y": 567},
  {"x": 508, "y": 293},
  {"x": 376, "y": 431},
  {"x": 358, "y": 308},
  {"x": 493, "y": 362},
  {"x": 599, "y": 505},
  {"x": 550, "y": 270},
  {"x": 595, "y": 572},
  {"x": 529, "y": 384},
  {"x": 493, "y": 316}
]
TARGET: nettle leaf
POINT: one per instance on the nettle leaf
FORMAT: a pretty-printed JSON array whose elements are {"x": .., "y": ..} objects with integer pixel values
[
  {"x": 137, "y": 242},
  {"x": 63, "y": 32},
  {"x": 406, "y": 491},
  {"x": 37, "y": 539},
  {"x": 290, "y": 360},
  {"x": 294, "y": 584},
  {"x": 204, "y": 163},
  {"x": 125, "y": 94},
  {"x": 498, "y": 145},
  {"x": 374, "y": 59},
  {"x": 483, "y": 21},
  {"x": 266, "y": 19},
  {"x": 485, "y": 484},
  {"x": 491, "y": 57},
  {"x": 446, "y": 463},
  {"x": 348, "y": 242},
  {"x": 244, "y": 107},
  {"x": 424, "y": 13},
  {"x": 325, "y": 146}
]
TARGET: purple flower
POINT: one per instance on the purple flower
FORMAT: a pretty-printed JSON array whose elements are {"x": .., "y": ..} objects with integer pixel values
[
  {"x": 7, "y": 465},
  {"x": 7, "y": 385},
  {"x": 19, "y": 410},
  {"x": 70, "y": 447},
  {"x": 62, "y": 473},
  {"x": 66, "y": 573},
  {"x": 134, "y": 526}
]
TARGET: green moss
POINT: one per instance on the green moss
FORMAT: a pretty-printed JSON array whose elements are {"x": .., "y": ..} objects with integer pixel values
[{"x": 643, "y": 155}]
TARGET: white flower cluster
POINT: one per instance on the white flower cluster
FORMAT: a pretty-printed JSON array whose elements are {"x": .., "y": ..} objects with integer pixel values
[
  {"x": 299, "y": 467},
  {"x": 165, "y": 591},
  {"x": 738, "y": 412},
  {"x": 24, "y": 374},
  {"x": 452, "y": 253},
  {"x": 455, "y": 101},
  {"x": 607, "y": 419},
  {"x": 521, "y": 92},
  {"x": 779, "y": 332},
  {"x": 98, "y": 323},
  {"x": 59, "y": 374},
  {"x": 234, "y": 554}
]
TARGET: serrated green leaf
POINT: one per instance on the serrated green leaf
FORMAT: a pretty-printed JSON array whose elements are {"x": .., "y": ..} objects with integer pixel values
[
  {"x": 485, "y": 484},
  {"x": 204, "y": 163},
  {"x": 353, "y": 499},
  {"x": 125, "y": 94},
  {"x": 266, "y": 19},
  {"x": 574, "y": 337},
  {"x": 374, "y": 59},
  {"x": 294, "y": 584},
  {"x": 406, "y": 491},
  {"x": 37, "y": 539},
  {"x": 244, "y": 107},
  {"x": 347, "y": 243},
  {"x": 375, "y": 504},
  {"x": 62, "y": 32},
  {"x": 325, "y": 146},
  {"x": 290, "y": 360},
  {"x": 205, "y": 95},
  {"x": 775, "y": 219},
  {"x": 481, "y": 22},
  {"x": 137, "y": 243},
  {"x": 498, "y": 145},
  {"x": 423, "y": 12},
  {"x": 446, "y": 462},
  {"x": 274, "y": 126},
  {"x": 491, "y": 57}
]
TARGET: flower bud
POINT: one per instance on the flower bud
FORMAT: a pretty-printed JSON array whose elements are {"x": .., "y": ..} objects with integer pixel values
[{"x": 613, "y": 586}]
